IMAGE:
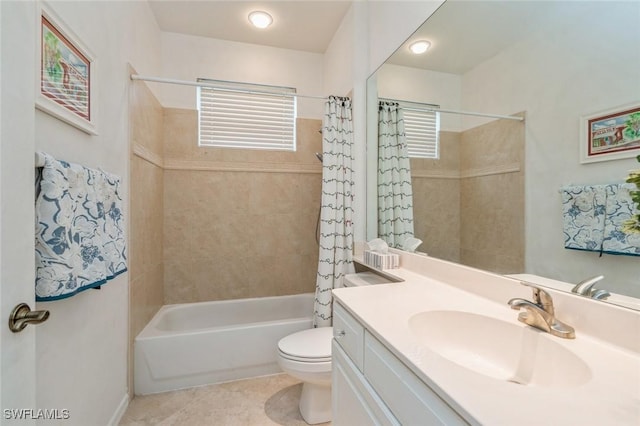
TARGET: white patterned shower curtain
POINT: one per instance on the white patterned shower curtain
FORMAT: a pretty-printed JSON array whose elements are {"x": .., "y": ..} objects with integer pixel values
[
  {"x": 395, "y": 194},
  {"x": 336, "y": 225}
]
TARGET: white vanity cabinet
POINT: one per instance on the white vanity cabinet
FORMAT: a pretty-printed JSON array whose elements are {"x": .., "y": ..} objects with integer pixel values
[{"x": 371, "y": 386}]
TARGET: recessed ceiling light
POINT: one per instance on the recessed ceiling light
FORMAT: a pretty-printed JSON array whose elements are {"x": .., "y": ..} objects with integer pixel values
[
  {"x": 420, "y": 47},
  {"x": 260, "y": 19}
]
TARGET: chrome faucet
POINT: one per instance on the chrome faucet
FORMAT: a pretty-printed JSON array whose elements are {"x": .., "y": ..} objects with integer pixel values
[
  {"x": 540, "y": 313},
  {"x": 586, "y": 288}
]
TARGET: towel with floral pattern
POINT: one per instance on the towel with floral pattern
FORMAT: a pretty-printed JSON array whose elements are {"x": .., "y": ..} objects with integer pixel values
[
  {"x": 583, "y": 211},
  {"x": 620, "y": 208},
  {"x": 80, "y": 241},
  {"x": 593, "y": 218}
]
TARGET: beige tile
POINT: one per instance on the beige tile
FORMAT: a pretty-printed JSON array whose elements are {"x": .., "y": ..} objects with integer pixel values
[
  {"x": 478, "y": 221},
  {"x": 271, "y": 400},
  {"x": 214, "y": 221},
  {"x": 146, "y": 217},
  {"x": 180, "y": 133},
  {"x": 145, "y": 118},
  {"x": 179, "y": 282},
  {"x": 177, "y": 235},
  {"x": 180, "y": 190},
  {"x": 494, "y": 240},
  {"x": 221, "y": 278},
  {"x": 496, "y": 143}
]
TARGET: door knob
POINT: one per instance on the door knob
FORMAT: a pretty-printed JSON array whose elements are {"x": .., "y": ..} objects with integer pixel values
[{"x": 22, "y": 315}]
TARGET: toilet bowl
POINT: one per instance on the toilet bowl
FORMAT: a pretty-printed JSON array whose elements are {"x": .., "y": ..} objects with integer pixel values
[{"x": 306, "y": 355}]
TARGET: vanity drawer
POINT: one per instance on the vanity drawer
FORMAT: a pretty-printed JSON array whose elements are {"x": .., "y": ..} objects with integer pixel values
[
  {"x": 410, "y": 400},
  {"x": 349, "y": 334}
]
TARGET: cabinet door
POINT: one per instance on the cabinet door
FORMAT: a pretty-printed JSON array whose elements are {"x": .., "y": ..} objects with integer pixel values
[
  {"x": 353, "y": 402},
  {"x": 409, "y": 399}
]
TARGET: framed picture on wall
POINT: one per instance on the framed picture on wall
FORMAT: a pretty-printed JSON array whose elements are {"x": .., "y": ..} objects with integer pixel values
[
  {"x": 65, "y": 81},
  {"x": 611, "y": 134}
]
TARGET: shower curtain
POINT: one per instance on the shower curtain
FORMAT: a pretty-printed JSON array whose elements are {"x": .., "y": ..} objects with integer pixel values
[
  {"x": 395, "y": 195},
  {"x": 336, "y": 225}
]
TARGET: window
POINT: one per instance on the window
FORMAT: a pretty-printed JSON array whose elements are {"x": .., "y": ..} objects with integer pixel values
[
  {"x": 240, "y": 115},
  {"x": 421, "y": 128}
]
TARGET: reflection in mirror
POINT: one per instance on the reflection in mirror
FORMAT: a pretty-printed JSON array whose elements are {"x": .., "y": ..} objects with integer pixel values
[
  {"x": 395, "y": 198},
  {"x": 547, "y": 62}
]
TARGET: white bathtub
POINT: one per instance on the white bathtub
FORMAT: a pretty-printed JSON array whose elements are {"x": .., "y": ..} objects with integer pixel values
[{"x": 195, "y": 344}]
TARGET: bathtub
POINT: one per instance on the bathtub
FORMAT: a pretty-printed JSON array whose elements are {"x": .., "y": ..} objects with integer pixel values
[{"x": 201, "y": 343}]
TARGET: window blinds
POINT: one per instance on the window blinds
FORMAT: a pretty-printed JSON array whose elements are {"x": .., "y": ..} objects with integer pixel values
[
  {"x": 421, "y": 130},
  {"x": 238, "y": 115}
]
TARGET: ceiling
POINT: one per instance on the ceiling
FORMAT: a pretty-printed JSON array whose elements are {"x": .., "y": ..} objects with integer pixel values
[
  {"x": 306, "y": 25},
  {"x": 461, "y": 39}
]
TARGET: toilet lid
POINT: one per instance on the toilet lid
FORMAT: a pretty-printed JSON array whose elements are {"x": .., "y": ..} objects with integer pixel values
[{"x": 314, "y": 343}]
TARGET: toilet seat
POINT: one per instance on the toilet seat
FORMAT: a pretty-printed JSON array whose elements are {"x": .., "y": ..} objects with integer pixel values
[
  {"x": 304, "y": 360},
  {"x": 310, "y": 346}
]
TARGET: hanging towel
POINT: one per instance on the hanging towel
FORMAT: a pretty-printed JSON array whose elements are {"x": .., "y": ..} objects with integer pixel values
[
  {"x": 583, "y": 211},
  {"x": 80, "y": 241},
  {"x": 619, "y": 208}
]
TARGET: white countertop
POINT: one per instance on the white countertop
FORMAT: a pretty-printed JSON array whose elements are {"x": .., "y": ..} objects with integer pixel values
[{"x": 610, "y": 397}]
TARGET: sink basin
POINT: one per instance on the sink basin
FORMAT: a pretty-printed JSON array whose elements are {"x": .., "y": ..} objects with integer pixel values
[{"x": 499, "y": 349}]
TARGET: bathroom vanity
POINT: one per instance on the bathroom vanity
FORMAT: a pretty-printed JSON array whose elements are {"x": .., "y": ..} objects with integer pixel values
[
  {"x": 443, "y": 347},
  {"x": 384, "y": 391}
]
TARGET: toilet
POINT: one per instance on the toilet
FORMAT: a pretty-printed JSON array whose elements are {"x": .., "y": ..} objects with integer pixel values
[{"x": 306, "y": 355}]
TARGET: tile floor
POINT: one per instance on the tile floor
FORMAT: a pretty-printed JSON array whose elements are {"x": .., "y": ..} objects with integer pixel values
[{"x": 270, "y": 400}]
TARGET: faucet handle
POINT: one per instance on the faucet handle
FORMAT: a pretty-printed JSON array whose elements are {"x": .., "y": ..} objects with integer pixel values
[
  {"x": 585, "y": 286},
  {"x": 540, "y": 297},
  {"x": 600, "y": 294}
]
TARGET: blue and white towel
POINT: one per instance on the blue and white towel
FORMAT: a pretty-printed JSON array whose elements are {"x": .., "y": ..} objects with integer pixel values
[
  {"x": 620, "y": 208},
  {"x": 80, "y": 241},
  {"x": 593, "y": 216},
  {"x": 583, "y": 211}
]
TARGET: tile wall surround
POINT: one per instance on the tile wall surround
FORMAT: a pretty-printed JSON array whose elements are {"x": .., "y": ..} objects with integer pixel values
[
  {"x": 436, "y": 199},
  {"x": 146, "y": 272},
  {"x": 238, "y": 223},
  {"x": 492, "y": 196},
  {"x": 466, "y": 202},
  {"x": 212, "y": 224}
]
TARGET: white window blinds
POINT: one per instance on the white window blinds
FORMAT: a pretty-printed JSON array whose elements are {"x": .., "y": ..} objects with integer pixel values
[
  {"x": 421, "y": 129},
  {"x": 239, "y": 115}
]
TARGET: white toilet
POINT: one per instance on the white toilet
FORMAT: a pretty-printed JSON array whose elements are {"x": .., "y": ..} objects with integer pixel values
[{"x": 306, "y": 355}]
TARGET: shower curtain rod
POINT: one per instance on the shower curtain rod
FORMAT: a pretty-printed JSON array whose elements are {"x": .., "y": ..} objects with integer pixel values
[
  {"x": 451, "y": 111},
  {"x": 214, "y": 86}
]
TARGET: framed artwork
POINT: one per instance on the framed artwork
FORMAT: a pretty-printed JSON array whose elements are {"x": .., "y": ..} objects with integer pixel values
[
  {"x": 611, "y": 134},
  {"x": 65, "y": 81}
]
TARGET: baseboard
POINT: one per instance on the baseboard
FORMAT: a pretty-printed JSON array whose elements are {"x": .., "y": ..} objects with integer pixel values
[{"x": 122, "y": 407}]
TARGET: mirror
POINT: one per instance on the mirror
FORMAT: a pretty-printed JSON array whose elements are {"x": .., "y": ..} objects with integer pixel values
[{"x": 492, "y": 198}]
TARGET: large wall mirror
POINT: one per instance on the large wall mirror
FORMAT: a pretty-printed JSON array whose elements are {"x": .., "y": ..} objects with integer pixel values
[{"x": 491, "y": 197}]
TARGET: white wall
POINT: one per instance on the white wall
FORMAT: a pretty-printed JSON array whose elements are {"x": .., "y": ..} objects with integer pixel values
[
  {"x": 413, "y": 84},
  {"x": 588, "y": 60},
  {"x": 345, "y": 71},
  {"x": 338, "y": 59},
  {"x": 82, "y": 349},
  {"x": 391, "y": 23},
  {"x": 186, "y": 57}
]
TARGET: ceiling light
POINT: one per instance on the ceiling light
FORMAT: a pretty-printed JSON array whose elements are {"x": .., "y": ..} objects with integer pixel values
[
  {"x": 260, "y": 19},
  {"x": 420, "y": 47}
]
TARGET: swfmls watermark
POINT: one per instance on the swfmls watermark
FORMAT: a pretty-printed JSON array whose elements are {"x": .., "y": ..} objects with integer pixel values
[{"x": 36, "y": 414}]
